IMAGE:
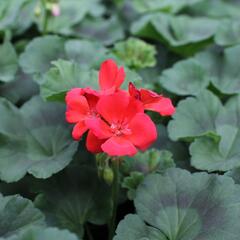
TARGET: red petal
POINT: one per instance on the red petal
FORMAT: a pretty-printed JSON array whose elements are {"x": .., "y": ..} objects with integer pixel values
[
  {"x": 134, "y": 107},
  {"x": 110, "y": 77},
  {"x": 77, "y": 109},
  {"x": 93, "y": 143},
  {"x": 119, "y": 146},
  {"x": 79, "y": 129},
  {"x": 73, "y": 94},
  {"x": 144, "y": 131},
  {"x": 120, "y": 77},
  {"x": 163, "y": 106},
  {"x": 154, "y": 102},
  {"x": 99, "y": 128},
  {"x": 113, "y": 107},
  {"x": 133, "y": 91}
]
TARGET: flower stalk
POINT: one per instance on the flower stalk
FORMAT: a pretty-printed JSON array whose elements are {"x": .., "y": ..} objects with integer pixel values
[
  {"x": 115, "y": 194},
  {"x": 45, "y": 16}
]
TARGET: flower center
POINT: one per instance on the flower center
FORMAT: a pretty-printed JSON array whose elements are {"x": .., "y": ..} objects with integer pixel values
[
  {"x": 119, "y": 129},
  {"x": 93, "y": 113}
]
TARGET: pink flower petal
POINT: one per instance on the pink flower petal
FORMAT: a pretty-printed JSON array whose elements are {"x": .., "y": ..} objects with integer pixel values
[
  {"x": 119, "y": 146},
  {"x": 144, "y": 131}
]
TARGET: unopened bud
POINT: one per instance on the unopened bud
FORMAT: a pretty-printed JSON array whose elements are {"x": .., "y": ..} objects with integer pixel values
[
  {"x": 56, "y": 11},
  {"x": 37, "y": 11},
  {"x": 108, "y": 175}
]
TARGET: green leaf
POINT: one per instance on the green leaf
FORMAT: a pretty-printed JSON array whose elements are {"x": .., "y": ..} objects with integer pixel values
[
  {"x": 16, "y": 15},
  {"x": 40, "y": 52},
  {"x": 228, "y": 33},
  {"x": 135, "y": 53},
  {"x": 131, "y": 183},
  {"x": 65, "y": 76},
  {"x": 173, "y": 6},
  {"x": 195, "y": 117},
  {"x": 186, "y": 77},
  {"x": 222, "y": 68},
  {"x": 216, "y": 9},
  {"x": 37, "y": 233},
  {"x": 106, "y": 31},
  {"x": 34, "y": 139},
  {"x": 19, "y": 90},
  {"x": 222, "y": 155},
  {"x": 137, "y": 167},
  {"x": 147, "y": 162},
  {"x": 182, "y": 33},
  {"x": 8, "y": 62},
  {"x": 178, "y": 149},
  {"x": 72, "y": 12},
  {"x": 185, "y": 206},
  {"x": 134, "y": 228},
  {"x": 75, "y": 197},
  {"x": 234, "y": 174},
  {"x": 17, "y": 214},
  {"x": 84, "y": 52}
]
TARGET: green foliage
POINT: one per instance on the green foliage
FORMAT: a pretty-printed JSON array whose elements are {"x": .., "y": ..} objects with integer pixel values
[
  {"x": 187, "y": 50},
  {"x": 17, "y": 214},
  {"x": 73, "y": 198},
  {"x": 182, "y": 33},
  {"x": 135, "y": 53},
  {"x": 35, "y": 233},
  {"x": 8, "y": 62},
  {"x": 32, "y": 138},
  {"x": 180, "y": 205}
]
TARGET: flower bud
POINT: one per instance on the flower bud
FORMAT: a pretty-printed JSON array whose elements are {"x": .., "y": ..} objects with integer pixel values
[
  {"x": 37, "y": 11},
  {"x": 108, "y": 175},
  {"x": 56, "y": 11}
]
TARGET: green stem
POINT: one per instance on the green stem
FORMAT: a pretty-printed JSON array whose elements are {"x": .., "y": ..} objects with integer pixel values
[
  {"x": 45, "y": 17},
  {"x": 115, "y": 192}
]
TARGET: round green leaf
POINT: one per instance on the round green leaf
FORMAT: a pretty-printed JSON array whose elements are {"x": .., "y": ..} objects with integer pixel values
[
  {"x": 84, "y": 52},
  {"x": 17, "y": 214},
  {"x": 228, "y": 33},
  {"x": 220, "y": 155},
  {"x": 183, "y": 33},
  {"x": 8, "y": 62},
  {"x": 21, "y": 89},
  {"x": 172, "y": 6},
  {"x": 222, "y": 68},
  {"x": 34, "y": 139},
  {"x": 37, "y": 233},
  {"x": 186, "y": 77},
  {"x": 190, "y": 206},
  {"x": 40, "y": 52},
  {"x": 106, "y": 31},
  {"x": 64, "y": 76},
  {"x": 75, "y": 197},
  {"x": 132, "y": 227},
  {"x": 195, "y": 117}
]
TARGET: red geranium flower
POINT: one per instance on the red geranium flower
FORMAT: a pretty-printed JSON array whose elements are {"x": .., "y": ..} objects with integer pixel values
[
  {"x": 152, "y": 101},
  {"x": 115, "y": 118},
  {"x": 123, "y": 126}
]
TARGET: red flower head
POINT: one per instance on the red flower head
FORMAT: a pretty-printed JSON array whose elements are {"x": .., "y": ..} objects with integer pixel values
[
  {"x": 115, "y": 118},
  {"x": 152, "y": 101},
  {"x": 123, "y": 126}
]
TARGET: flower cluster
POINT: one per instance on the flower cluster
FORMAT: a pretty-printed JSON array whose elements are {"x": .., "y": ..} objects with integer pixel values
[{"x": 115, "y": 118}]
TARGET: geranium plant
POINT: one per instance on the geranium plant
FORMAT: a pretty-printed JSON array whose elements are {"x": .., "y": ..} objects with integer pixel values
[{"x": 119, "y": 120}]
